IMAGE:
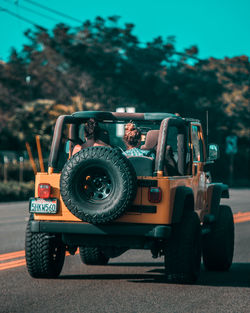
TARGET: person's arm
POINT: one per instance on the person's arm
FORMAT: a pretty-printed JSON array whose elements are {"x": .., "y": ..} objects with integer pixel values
[{"x": 76, "y": 149}]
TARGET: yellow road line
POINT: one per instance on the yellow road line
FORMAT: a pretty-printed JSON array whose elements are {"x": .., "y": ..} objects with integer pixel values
[
  {"x": 12, "y": 264},
  {"x": 241, "y": 217},
  {"x": 11, "y": 255}
]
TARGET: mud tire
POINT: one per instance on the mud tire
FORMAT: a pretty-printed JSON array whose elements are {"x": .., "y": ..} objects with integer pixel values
[
  {"x": 183, "y": 251},
  {"x": 98, "y": 184},
  {"x": 45, "y": 254},
  {"x": 218, "y": 245},
  {"x": 93, "y": 256}
]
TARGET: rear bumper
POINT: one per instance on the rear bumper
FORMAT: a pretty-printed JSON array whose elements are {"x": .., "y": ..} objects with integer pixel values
[{"x": 110, "y": 230}]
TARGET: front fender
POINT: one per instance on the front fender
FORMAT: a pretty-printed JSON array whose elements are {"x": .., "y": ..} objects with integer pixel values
[{"x": 215, "y": 192}]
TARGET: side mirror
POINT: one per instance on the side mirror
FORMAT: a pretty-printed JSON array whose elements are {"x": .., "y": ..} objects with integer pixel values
[{"x": 213, "y": 152}]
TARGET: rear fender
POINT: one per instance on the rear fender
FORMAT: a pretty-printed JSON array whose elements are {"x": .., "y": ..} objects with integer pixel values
[{"x": 183, "y": 201}]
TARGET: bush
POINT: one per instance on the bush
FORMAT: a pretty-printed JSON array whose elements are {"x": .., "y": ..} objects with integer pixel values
[
  {"x": 15, "y": 191},
  {"x": 13, "y": 170}
]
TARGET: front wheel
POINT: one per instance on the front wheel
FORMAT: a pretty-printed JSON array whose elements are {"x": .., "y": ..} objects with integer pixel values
[
  {"x": 45, "y": 254},
  {"x": 218, "y": 245},
  {"x": 183, "y": 250}
]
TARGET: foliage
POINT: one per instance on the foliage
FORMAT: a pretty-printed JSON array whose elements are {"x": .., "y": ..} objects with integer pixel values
[
  {"x": 234, "y": 75},
  {"x": 13, "y": 171},
  {"x": 14, "y": 191},
  {"x": 102, "y": 65},
  {"x": 38, "y": 118}
]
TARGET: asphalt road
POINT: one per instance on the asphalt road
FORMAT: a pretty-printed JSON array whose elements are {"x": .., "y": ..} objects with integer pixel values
[{"x": 130, "y": 283}]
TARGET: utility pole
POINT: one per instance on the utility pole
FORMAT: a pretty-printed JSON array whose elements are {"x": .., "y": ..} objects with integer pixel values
[
  {"x": 20, "y": 169},
  {"x": 5, "y": 170}
]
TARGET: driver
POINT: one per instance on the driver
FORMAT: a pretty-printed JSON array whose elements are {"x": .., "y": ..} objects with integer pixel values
[{"x": 95, "y": 136}]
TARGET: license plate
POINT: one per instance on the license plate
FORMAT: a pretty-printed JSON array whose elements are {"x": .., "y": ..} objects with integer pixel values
[{"x": 48, "y": 206}]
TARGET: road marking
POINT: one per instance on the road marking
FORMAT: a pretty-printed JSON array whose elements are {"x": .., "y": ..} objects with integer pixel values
[
  {"x": 12, "y": 255},
  {"x": 10, "y": 262},
  {"x": 241, "y": 217},
  {"x": 19, "y": 255}
]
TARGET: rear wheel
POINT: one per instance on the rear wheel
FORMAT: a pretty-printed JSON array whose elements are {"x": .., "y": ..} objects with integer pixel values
[
  {"x": 45, "y": 254},
  {"x": 93, "y": 256},
  {"x": 218, "y": 245},
  {"x": 183, "y": 250}
]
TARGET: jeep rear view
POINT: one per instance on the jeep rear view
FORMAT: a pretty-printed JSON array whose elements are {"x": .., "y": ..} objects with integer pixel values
[{"x": 104, "y": 203}]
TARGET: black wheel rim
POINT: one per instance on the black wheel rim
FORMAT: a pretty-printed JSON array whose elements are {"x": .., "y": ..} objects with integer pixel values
[{"x": 94, "y": 184}]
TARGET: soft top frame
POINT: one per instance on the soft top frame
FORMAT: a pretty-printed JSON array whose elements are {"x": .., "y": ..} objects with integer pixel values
[
  {"x": 82, "y": 116},
  {"x": 114, "y": 116}
]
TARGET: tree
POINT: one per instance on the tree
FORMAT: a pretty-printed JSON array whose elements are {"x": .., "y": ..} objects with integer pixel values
[{"x": 102, "y": 65}]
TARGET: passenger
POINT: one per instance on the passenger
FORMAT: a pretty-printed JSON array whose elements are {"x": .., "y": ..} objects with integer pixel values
[
  {"x": 94, "y": 135},
  {"x": 132, "y": 140}
]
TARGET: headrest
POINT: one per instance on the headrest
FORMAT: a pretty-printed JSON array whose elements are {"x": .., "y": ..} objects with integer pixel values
[{"x": 151, "y": 140}]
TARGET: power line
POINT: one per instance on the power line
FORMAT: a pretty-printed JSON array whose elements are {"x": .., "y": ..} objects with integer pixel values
[
  {"x": 42, "y": 28},
  {"x": 32, "y": 11},
  {"x": 53, "y": 11},
  {"x": 22, "y": 18},
  {"x": 64, "y": 15}
]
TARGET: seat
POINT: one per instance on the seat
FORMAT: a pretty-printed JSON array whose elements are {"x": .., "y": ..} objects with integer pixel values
[
  {"x": 151, "y": 140},
  {"x": 144, "y": 166}
]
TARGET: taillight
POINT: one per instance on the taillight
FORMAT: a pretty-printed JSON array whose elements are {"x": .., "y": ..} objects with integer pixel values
[
  {"x": 154, "y": 194},
  {"x": 44, "y": 191}
]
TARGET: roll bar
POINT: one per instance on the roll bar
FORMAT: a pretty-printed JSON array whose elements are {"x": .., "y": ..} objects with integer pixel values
[
  {"x": 57, "y": 142},
  {"x": 171, "y": 120},
  {"x": 181, "y": 124}
]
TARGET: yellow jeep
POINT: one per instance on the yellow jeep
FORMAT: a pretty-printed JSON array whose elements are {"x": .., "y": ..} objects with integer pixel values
[{"x": 106, "y": 203}]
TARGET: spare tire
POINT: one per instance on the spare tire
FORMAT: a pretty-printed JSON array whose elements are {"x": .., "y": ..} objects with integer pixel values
[{"x": 98, "y": 184}]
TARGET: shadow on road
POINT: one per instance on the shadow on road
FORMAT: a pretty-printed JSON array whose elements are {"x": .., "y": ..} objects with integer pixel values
[
  {"x": 238, "y": 276},
  {"x": 137, "y": 264}
]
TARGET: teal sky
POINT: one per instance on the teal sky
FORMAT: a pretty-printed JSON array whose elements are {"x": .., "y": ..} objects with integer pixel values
[{"x": 218, "y": 27}]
